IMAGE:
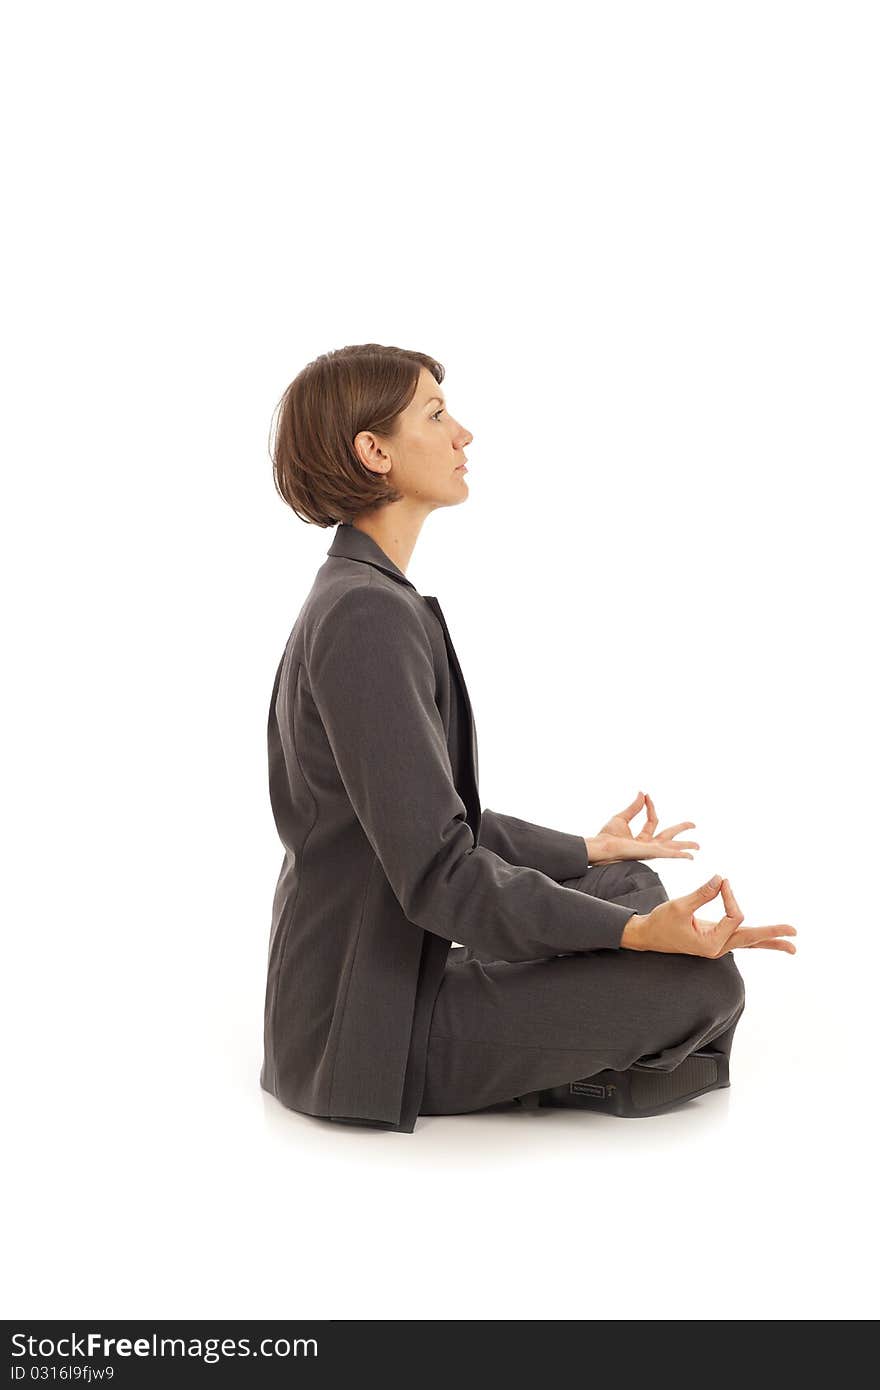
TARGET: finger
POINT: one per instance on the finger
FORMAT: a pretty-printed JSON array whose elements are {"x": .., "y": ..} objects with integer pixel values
[
  {"x": 704, "y": 894},
  {"x": 787, "y": 946},
  {"x": 753, "y": 936},
  {"x": 676, "y": 829},
  {"x": 651, "y": 822},
  {"x": 633, "y": 808},
  {"x": 646, "y": 838},
  {"x": 731, "y": 906}
]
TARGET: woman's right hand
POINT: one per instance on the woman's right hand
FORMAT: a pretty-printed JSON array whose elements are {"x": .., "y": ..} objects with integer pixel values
[{"x": 673, "y": 927}]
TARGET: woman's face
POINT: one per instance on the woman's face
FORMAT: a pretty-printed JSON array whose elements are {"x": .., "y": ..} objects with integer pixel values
[{"x": 423, "y": 460}]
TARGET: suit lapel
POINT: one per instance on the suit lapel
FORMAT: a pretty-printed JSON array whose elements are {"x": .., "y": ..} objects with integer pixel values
[{"x": 472, "y": 753}]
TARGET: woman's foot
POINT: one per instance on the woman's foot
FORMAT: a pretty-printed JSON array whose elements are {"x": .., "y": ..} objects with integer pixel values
[{"x": 639, "y": 1090}]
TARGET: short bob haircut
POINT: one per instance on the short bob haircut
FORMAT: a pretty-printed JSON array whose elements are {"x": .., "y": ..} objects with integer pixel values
[{"x": 315, "y": 467}]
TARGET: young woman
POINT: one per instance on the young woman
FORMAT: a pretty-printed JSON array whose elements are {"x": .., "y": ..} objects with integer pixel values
[{"x": 574, "y": 961}]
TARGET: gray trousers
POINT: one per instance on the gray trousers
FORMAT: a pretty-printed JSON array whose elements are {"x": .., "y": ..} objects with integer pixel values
[{"x": 503, "y": 1028}]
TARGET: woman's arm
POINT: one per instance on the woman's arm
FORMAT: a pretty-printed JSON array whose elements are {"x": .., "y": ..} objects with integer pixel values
[
  {"x": 371, "y": 673},
  {"x": 553, "y": 852}
]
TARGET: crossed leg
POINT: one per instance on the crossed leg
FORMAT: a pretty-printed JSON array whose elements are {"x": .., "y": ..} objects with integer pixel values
[{"x": 501, "y": 1029}]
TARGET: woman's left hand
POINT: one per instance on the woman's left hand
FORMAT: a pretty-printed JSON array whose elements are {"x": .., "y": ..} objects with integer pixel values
[{"x": 616, "y": 841}]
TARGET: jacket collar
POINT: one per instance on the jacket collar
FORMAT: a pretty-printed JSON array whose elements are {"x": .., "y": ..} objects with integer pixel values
[{"x": 354, "y": 544}]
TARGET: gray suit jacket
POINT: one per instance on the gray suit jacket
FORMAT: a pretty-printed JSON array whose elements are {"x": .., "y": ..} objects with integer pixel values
[{"x": 389, "y": 858}]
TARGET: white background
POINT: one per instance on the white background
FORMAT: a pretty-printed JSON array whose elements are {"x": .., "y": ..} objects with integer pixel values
[{"x": 642, "y": 238}]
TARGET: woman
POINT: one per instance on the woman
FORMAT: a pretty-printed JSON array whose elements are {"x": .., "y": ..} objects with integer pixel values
[{"x": 573, "y": 959}]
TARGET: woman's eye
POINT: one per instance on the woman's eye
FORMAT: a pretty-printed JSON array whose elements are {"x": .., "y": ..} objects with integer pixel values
[{"x": 436, "y": 413}]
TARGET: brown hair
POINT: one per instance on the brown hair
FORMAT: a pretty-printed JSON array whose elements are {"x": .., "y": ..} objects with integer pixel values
[{"x": 314, "y": 464}]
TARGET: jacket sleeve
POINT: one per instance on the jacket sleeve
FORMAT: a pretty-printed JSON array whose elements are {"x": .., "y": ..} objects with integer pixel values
[
  {"x": 371, "y": 674},
  {"x": 555, "y": 852}
]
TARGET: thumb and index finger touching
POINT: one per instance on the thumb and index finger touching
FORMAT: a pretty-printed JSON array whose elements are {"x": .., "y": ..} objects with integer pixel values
[
  {"x": 733, "y": 916},
  {"x": 709, "y": 890}
]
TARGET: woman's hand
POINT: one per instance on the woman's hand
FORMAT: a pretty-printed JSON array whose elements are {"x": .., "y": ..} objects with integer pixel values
[
  {"x": 673, "y": 927},
  {"x": 616, "y": 841}
]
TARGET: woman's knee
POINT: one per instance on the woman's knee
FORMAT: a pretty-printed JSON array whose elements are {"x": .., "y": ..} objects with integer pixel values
[
  {"x": 641, "y": 877},
  {"x": 726, "y": 987},
  {"x": 641, "y": 872}
]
